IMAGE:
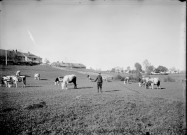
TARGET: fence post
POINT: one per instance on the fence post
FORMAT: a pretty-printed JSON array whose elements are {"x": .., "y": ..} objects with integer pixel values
[{"x": 6, "y": 57}]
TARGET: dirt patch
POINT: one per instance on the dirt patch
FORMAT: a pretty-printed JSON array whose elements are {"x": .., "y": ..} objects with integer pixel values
[{"x": 36, "y": 106}]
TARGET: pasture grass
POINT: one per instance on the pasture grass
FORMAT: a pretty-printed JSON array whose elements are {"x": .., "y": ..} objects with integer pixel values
[
  {"x": 169, "y": 79},
  {"x": 41, "y": 108}
]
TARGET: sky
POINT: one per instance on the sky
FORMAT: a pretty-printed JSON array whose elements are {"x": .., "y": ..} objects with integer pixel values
[{"x": 101, "y": 34}]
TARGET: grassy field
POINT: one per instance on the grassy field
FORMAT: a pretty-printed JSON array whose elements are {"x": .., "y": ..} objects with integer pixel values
[{"x": 122, "y": 109}]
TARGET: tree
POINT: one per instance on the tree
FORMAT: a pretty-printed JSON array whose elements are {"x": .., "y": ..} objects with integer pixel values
[
  {"x": 173, "y": 69},
  {"x": 150, "y": 69},
  {"x": 138, "y": 67},
  {"x": 146, "y": 64},
  {"x": 128, "y": 68},
  {"x": 160, "y": 69},
  {"x": 46, "y": 61},
  {"x": 113, "y": 70}
]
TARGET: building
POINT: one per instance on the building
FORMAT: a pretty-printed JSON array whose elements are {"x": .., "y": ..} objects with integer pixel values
[
  {"x": 69, "y": 65},
  {"x": 17, "y": 57}
]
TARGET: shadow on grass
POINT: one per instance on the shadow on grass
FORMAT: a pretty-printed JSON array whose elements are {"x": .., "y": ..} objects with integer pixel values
[
  {"x": 8, "y": 110},
  {"x": 81, "y": 88},
  {"x": 43, "y": 79},
  {"x": 112, "y": 90},
  {"x": 160, "y": 88},
  {"x": 33, "y": 86},
  {"x": 36, "y": 106},
  {"x": 84, "y": 87}
]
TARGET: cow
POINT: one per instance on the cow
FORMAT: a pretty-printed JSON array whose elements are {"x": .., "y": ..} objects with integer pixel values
[
  {"x": 6, "y": 80},
  {"x": 37, "y": 76},
  {"x": 149, "y": 82},
  {"x": 104, "y": 78},
  {"x": 107, "y": 78},
  {"x": 154, "y": 81},
  {"x": 91, "y": 79},
  {"x": 10, "y": 80},
  {"x": 126, "y": 80},
  {"x": 143, "y": 81},
  {"x": 58, "y": 80},
  {"x": 69, "y": 79}
]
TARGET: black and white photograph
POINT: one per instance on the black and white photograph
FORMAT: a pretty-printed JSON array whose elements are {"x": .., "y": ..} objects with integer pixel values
[{"x": 92, "y": 67}]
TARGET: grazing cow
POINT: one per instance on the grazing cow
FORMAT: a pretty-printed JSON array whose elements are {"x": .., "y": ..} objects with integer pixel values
[
  {"x": 155, "y": 81},
  {"x": 58, "y": 80},
  {"x": 104, "y": 78},
  {"x": 7, "y": 80},
  {"x": 69, "y": 79},
  {"x": 148, "y": 81},
  {"x": 143, "y": 81},
  {"x": 10, "y": 80},
  {"x": 107, "y": 78},
  {"x": 91, "y": 79},
  {"x": 126, "y": 80},
  {"x": 37, "y": 76}
]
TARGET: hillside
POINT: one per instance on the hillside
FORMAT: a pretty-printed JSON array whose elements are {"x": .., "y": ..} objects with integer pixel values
[{"x": 43, "y": 108}]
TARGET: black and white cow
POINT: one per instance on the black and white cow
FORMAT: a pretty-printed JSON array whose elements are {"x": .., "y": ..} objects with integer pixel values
[
  {"x": 150, "y": 82},
  {"x": 126, "y": 80},
  {"x": 11, "y": 80},
  {"x": 69, "y": 79},
  {"x": 91, "y": 79},
  {"x": 37, "y": 76},
  {"x": 58, "y": 80}
]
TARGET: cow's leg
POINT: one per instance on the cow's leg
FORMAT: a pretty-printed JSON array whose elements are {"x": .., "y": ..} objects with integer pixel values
[
  {"x": 16, "y": 83},
  {"x": 146, "y": 85},
  {"x": 5, "y": 82},
  {"x": 24, "y": 81},
  {"x": 8, "y": 85},
  {"x": 64, "y": 85},
  {"x": 152, "y": 85},
  {"x": 139, "y": 84},
  {"x": 74, "y": 82},
  {"x": 158, "y": 84}
]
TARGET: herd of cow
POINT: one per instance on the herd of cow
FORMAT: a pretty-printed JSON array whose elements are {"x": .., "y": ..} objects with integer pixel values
[
  {"x": 149, "y": 82},
  {"x": 9, "y": 81},
  {"x": 13, "y": 79}
]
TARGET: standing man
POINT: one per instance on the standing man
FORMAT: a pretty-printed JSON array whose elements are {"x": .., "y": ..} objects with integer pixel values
[{"x": 99, "y": 80}]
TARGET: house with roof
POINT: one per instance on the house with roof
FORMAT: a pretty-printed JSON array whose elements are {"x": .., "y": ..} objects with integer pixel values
[
  {"x": 32, "y": 58},
  {"x": 69, "y": 65},
  {"x": 17, "y": 57}
]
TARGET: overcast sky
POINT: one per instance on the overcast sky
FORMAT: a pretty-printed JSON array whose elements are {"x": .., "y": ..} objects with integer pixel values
[{"x": 100, "y": 34}]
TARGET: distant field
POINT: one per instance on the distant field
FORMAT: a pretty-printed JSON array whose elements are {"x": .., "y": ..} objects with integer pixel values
[{"x": 43, "y": 108}]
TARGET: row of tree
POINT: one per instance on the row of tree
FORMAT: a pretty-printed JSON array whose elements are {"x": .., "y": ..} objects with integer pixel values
[{"x": 149, "y": 68}]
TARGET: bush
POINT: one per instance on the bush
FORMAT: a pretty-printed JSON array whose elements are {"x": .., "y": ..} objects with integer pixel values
[
  {"x": 169, "y": 79},
  {"x": 118, "y": 77},
  {"x": 135, "y": 77}
]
